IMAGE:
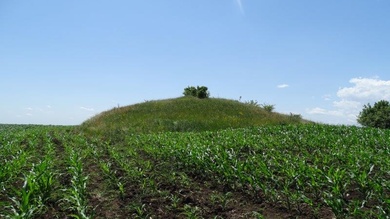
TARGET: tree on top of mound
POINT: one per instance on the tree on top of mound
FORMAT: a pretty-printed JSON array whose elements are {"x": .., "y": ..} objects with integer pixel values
[{"x": 199, "y": 92}]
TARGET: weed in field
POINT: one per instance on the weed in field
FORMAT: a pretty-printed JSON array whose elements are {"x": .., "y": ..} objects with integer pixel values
[
  {"x": 222, "y": 200},
  {"x": 175, "y": 200},
  {"x": 139, "y": 210},
  {"x": 191, "y": 212}
]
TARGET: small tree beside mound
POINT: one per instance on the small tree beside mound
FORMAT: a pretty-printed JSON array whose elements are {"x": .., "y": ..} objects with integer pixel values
[
  {"x": 377, "y": 116},
  {"x": 199, "y": 92}
]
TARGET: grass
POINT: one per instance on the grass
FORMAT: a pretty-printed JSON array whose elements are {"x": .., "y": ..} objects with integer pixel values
[{"x": 184, "y": 114}]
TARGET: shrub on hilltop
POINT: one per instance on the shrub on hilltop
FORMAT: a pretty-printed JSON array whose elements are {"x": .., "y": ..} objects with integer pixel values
[{"x": 199, "y": 92}]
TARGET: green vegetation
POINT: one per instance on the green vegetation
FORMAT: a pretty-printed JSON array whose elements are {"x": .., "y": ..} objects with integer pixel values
[
  {"x": 377, "y": 116},
  {"x": 184, "y": 114},
  {"x": 283, "y": 171},
  {"x": 199, "y": 92},
  {"x": 194, "y": 158}
]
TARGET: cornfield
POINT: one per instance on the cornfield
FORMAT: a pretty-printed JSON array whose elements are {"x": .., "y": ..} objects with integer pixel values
[{"x": 306, "y": 170}]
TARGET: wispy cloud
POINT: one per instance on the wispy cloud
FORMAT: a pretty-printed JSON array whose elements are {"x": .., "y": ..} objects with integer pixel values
[
  {"x": 87, "y": 109},
  {"x": 39, "y": 109},
  {"x": 321, "y": 111},
  {"x": 282, "y": 86},
  {"x": 327, "y": 97},
  {"x": 347, "y": 104},
  {"x": 239, "y": 3}
]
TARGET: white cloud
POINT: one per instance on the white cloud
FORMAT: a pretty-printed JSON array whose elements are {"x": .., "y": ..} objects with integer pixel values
[
  {"x": 347, "y": 104},
  {"x": 29, "y": 108},
  {"x": 321, "y": 111},
  {"x": 87, "y": 109},
  {"x": 351, "y": 100},
  {"x": 316, "y": 110},
  {"x": 371, "y": 89},
  {"x": 283, "y": 86}
]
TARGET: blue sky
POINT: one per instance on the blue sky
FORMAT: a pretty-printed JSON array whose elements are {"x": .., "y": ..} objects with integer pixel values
[{"x": 62, "y": 62}]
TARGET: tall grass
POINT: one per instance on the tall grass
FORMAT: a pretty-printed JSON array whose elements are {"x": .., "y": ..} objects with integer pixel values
[{"x": 182, "y": 115}]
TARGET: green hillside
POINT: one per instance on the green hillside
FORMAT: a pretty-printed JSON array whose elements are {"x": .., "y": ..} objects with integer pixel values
[{"x": 184, "y": 114}]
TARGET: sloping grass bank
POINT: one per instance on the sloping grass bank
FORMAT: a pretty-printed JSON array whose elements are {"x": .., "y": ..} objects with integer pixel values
[{"x": 184, "y": 114}]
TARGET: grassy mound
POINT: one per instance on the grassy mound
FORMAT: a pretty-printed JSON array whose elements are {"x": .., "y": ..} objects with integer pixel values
[{"x": 184, "y": 114}]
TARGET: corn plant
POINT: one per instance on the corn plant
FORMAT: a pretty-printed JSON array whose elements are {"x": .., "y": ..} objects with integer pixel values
[
  {"x": 76, "y": 195},
  {"x": 313, "y": 165},
  {"x": 27, "y": 203},
  {"x": 37, "y": 188}
]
